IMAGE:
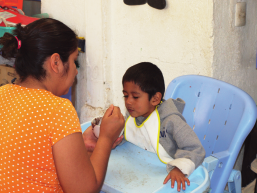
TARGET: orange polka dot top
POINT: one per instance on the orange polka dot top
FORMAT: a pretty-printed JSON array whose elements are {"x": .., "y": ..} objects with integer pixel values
[{"x": 31, "y": 122}]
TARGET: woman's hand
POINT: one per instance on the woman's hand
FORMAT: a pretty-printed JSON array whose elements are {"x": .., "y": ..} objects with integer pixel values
[
  {"x": 112, "y": 124},
  {"x": 113, "y": 120},
  {"x": 176, "y": 175}
]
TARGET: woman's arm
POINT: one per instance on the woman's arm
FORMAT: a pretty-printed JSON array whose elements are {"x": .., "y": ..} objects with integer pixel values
[{"x": 76, "y": 171}]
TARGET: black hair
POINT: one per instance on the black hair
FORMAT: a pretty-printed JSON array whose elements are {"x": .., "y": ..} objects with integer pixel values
[
  {"x": 147, "y": 76},
  {"x": 39, "y": 40}
]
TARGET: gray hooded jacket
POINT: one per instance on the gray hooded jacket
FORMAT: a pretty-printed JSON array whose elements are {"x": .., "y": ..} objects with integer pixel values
[{"x": 176, "y": 136}]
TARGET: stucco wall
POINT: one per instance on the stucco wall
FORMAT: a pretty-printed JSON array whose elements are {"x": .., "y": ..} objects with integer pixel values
[
  {"x": 188, "y": 37},
  {"x": 178, "y": 39},
  {"x": 235, "y": 47},
  {"x": 72, "y": 13}
]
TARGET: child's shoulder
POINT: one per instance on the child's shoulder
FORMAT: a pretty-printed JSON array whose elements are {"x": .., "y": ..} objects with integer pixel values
[
  {"x": 172, "y": 105},
  {"x": 170, "y": 108}
]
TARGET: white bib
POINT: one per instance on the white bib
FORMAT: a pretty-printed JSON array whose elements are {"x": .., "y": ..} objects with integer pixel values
[{"x": 147, "y": 135}]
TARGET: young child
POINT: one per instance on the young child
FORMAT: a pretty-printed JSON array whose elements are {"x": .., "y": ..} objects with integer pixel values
[{"x": 157, "y": 125}]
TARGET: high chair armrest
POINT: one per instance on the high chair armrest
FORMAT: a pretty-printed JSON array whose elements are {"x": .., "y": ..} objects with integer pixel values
[
  {"x": 85, "y": 125},
  {"x": 210, "y": 163}
]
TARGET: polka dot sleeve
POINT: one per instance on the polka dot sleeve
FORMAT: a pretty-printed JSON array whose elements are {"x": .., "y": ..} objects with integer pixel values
[{"x": 64, "y": 122}]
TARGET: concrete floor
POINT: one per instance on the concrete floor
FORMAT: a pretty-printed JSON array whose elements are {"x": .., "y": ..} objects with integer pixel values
[{"x": 249, "y": 188}]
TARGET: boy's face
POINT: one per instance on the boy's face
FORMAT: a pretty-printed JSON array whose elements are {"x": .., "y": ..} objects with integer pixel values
[{"x": 136, "y": 101}]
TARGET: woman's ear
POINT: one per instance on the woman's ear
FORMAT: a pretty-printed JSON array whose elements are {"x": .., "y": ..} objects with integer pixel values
[
  {"x": 56, "y": 63},
  {"x": 156, "y": 99}
]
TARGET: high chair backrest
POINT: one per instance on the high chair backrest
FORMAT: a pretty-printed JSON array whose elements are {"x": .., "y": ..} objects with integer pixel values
[{"x": 221, "y": 115}]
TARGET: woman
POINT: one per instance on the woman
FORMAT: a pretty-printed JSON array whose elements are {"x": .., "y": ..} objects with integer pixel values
[{"x": 41, "y": 145}]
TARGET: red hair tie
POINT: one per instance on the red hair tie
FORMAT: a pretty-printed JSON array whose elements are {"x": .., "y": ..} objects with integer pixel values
[{"x": 19, "y": 42}]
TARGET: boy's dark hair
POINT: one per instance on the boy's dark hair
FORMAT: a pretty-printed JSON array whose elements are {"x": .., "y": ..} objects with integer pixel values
[
  {"x": 147, "y": 76},
  {"x": 39, "y": 40}
]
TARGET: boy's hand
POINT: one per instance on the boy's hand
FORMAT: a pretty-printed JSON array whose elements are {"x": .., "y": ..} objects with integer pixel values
[
  {"x": 176, "y": 175},
  {"x": 118, "y": 141},
  {"x": 90, "y": 140}
]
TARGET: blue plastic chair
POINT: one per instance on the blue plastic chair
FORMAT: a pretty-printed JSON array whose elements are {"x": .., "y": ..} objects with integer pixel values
[
  {"x": 222, "y": 116},
  {"x": 68, "y": 95}
]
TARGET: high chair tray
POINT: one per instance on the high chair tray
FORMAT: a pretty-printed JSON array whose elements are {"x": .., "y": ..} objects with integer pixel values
[{"x": 132, "y": 169}]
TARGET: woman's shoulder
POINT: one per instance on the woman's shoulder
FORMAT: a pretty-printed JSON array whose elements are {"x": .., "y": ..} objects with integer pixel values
[
  {"x": 52, "y": 100},
  {"x": 33, "y": 96},
  {"x": 5, "y": 86}
]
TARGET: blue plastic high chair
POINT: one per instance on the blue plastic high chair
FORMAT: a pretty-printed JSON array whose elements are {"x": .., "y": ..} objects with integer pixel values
[
  {"x": 222, "y": 116},
  {"x": 135, "y": 170}
]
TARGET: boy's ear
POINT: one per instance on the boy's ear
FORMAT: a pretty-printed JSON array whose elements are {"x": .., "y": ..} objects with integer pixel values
[{"x": 156, "y": 99}]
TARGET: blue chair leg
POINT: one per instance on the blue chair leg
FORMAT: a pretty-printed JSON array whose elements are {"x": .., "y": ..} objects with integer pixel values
[{"x": 234, "y": 182}]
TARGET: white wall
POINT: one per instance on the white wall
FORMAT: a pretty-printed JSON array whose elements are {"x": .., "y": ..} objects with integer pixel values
[
  {"x": 178, "y": 39},
  {"x": 235, "y": 47},
  {"x": 72, "y": 13},
  {"x": 188, "y": 37}
]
